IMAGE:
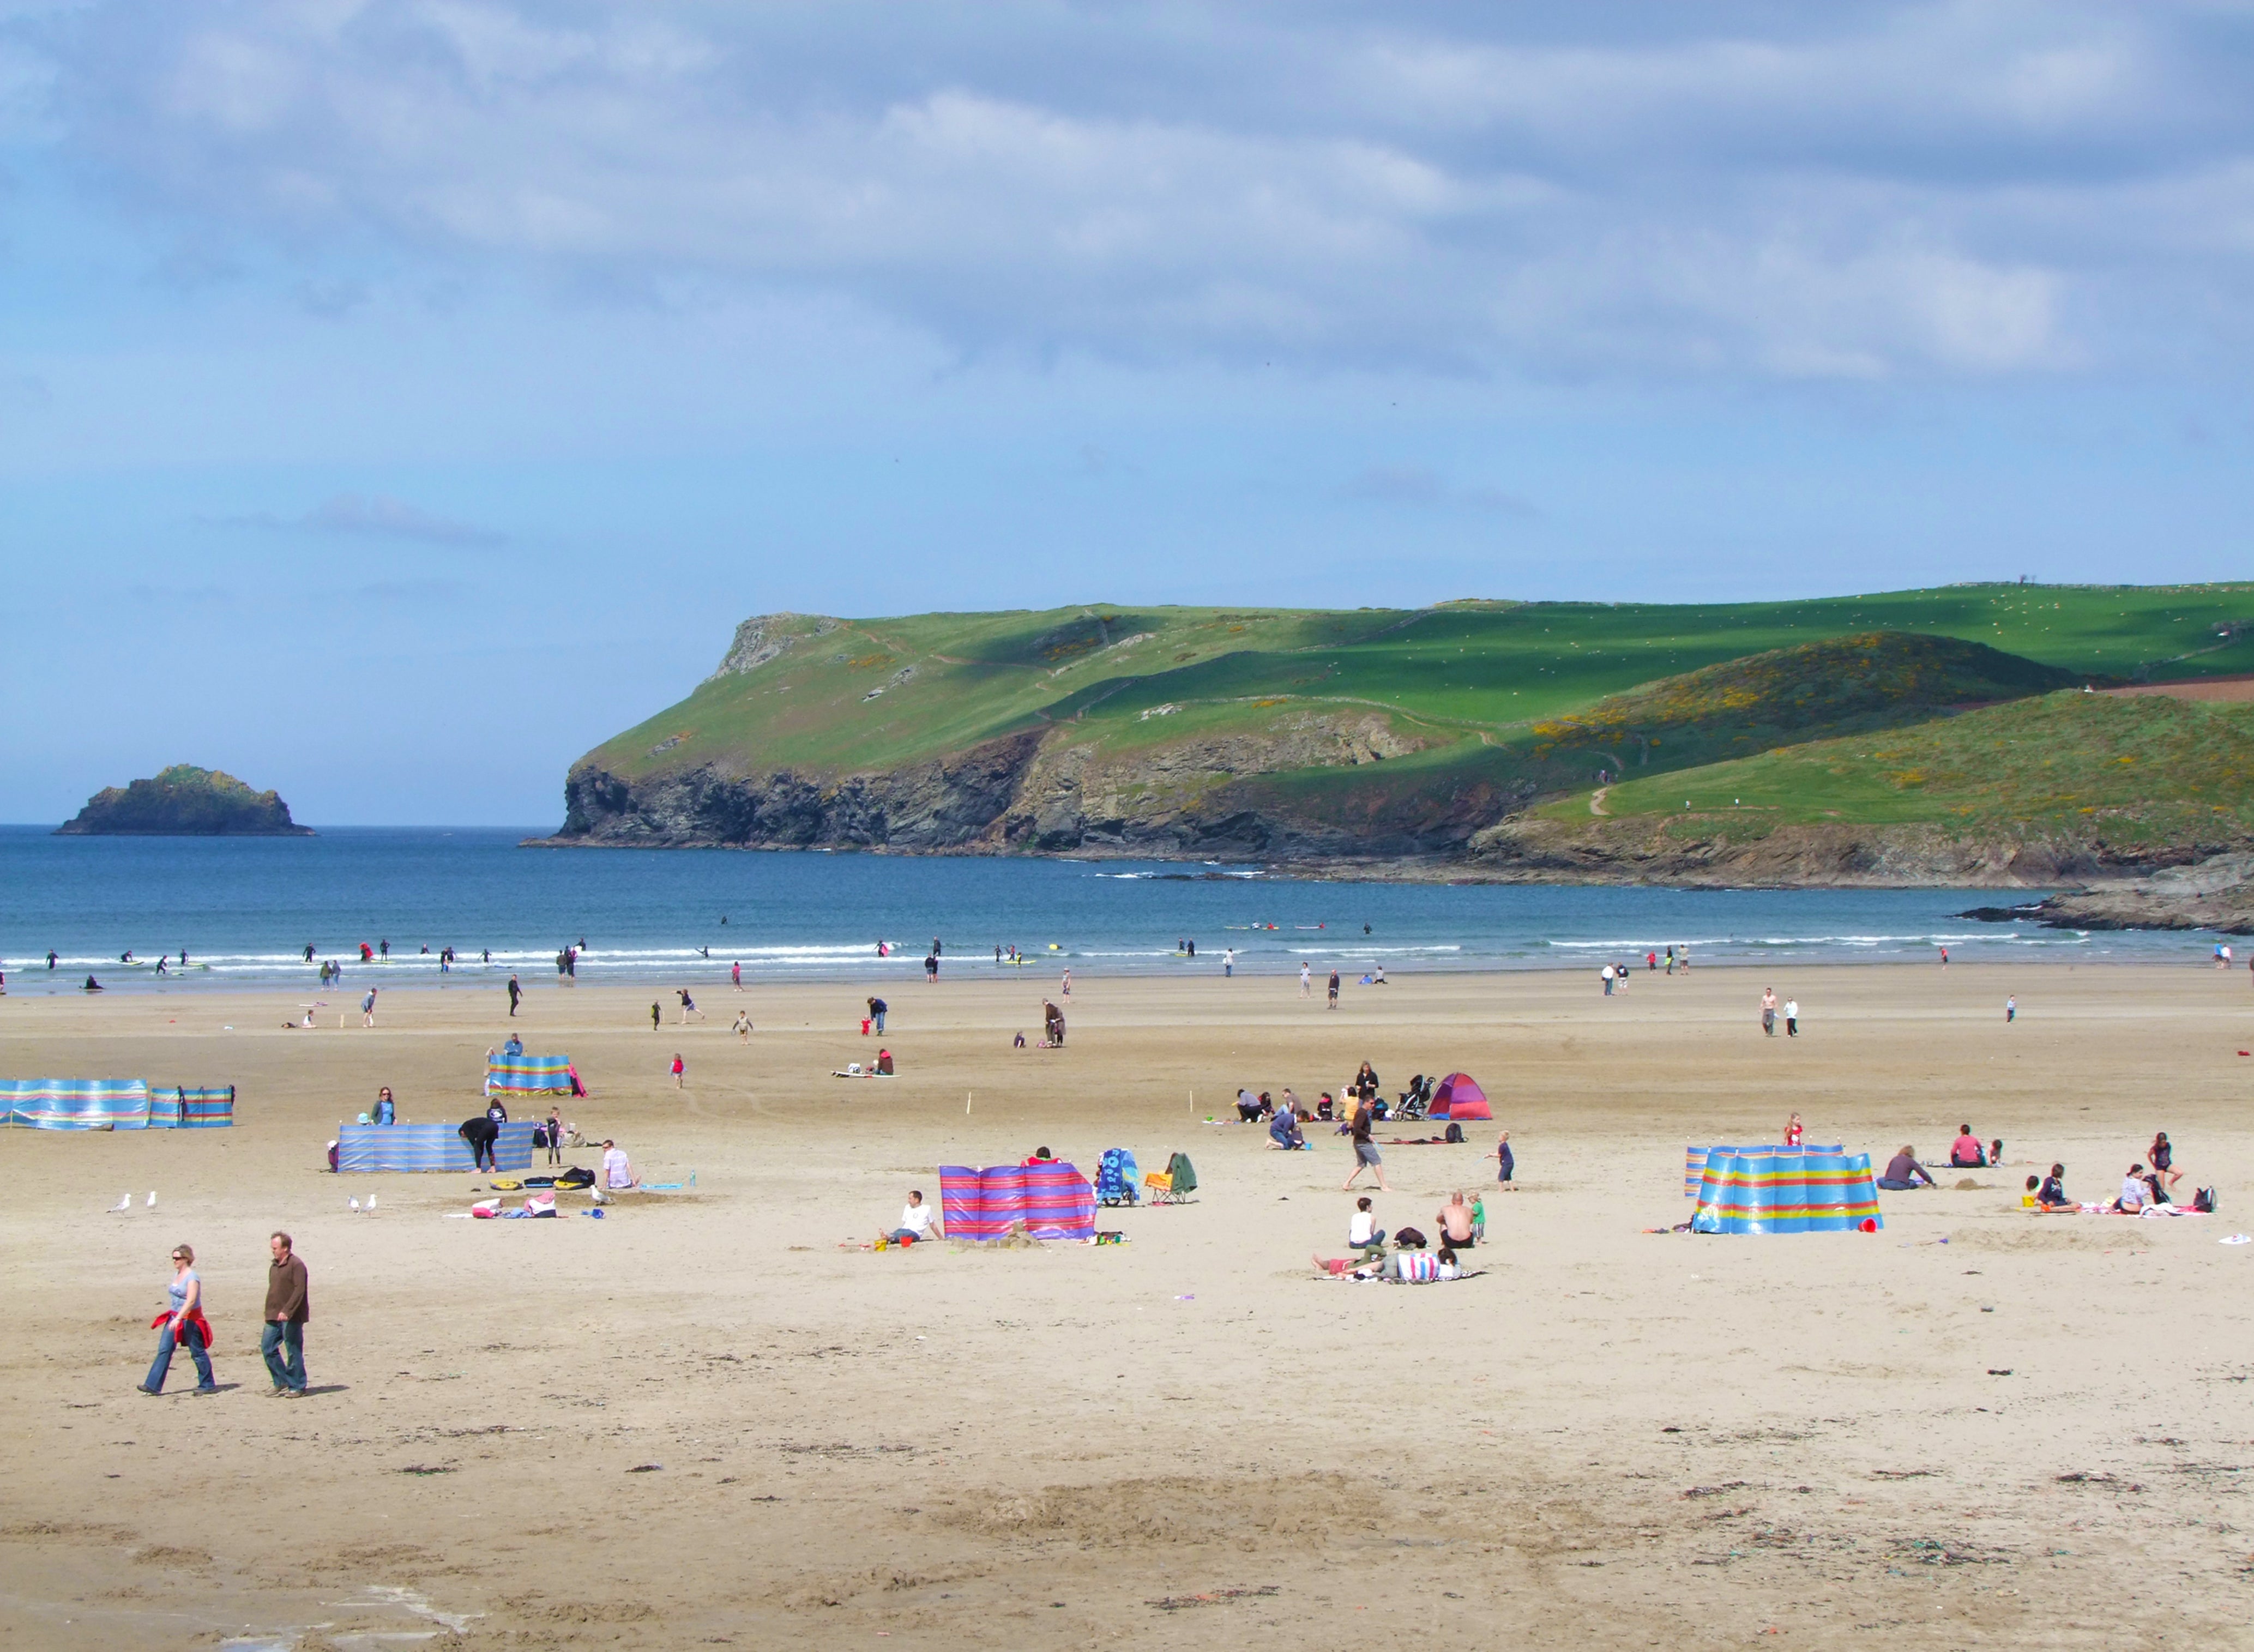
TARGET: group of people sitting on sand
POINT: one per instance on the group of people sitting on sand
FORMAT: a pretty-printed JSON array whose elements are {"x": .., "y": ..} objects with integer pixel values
[
  {"x": 2147, "y": 1184},
  {"x": 1462, "y": 1224}
]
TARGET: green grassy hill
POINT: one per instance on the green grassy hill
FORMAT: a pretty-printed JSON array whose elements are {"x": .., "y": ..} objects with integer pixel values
[
  {"x": 1199, "y": 730},
  {"x": 848, "y": 694},
  {"x": 2126, "y": 771}
]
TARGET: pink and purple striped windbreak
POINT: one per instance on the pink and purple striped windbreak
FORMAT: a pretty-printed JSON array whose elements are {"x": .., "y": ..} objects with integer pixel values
[{"x": 1054, "y": 1201}]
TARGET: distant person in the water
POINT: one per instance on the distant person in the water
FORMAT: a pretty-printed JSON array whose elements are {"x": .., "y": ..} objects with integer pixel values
[
  {"x": 50, "y": 955},
  {"x": 93, "y": 985}
]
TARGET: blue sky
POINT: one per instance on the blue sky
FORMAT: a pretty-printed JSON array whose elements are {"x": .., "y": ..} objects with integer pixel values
[{"x": 396, "y": 399}]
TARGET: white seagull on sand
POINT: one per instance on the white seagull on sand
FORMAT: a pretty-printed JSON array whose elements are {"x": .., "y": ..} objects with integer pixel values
[{"x": 124, "y": 1203}]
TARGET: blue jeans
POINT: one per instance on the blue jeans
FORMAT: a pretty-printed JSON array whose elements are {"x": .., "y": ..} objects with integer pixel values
[
  {"x": 879, "y": 1018},
  {"x": 166, "y": 1344},
  {"x": 290, "y": 1337}
]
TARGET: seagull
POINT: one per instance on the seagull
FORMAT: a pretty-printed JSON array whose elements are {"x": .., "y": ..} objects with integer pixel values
[
  {"x": 354, "y": 1203},
  {"x": 152, "y": 1199},
  {"x": 122, "y": 1205},
  {"x": 371, "y": 1201}
]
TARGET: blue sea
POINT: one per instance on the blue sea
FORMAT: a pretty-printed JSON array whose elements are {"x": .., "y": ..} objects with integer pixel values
[{"x": 245, "y": 909}]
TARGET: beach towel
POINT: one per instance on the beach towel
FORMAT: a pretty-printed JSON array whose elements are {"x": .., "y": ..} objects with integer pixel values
[
  {"x": 529, "y": 1074},
  {"x": 76, "y": 1104},
  {"x": 190, "y": 1107},
  {"x": 1786, "y": 1190},
  {"x": 1178, "y": 1172},
  {"x": 1116, "y": 1176},
  {"x": 1054, "y": 1201}
]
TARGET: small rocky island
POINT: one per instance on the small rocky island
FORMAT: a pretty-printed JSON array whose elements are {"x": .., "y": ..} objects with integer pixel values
[{"x": 184, "y": 802}]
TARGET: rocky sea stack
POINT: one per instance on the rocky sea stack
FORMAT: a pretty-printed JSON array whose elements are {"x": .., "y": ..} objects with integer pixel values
[{"x": 184, "y": 802}]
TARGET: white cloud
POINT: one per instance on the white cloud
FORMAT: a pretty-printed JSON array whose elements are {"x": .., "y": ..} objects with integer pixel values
[{"x": 1865, "y": 191}]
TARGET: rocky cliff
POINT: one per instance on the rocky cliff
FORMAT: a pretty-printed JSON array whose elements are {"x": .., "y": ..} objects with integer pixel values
[{"x": 184, "y": 802}]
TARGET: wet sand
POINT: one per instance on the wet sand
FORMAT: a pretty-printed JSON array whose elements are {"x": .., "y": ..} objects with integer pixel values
[{"x": 1608, "y": 1437}]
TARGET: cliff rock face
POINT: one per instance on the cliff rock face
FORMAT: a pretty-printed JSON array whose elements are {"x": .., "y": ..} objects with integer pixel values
[
  {"x": 2216, "y": 894},
  {"x": 1038, "y": 789},
  {"x": 184, "y": 802}
]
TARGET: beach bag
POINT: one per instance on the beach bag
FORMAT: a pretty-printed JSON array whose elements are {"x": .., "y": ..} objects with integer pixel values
[
  {"x": 540, "y": 1135},
  {"x": 1455, "y": 1131},
  {"x": 577, "y": 1176},
  {"x": 2203, "y": 1200},
  {"x": 1410, "y": 1239}
]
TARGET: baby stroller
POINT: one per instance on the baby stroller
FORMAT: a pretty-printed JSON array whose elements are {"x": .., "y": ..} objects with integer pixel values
[
  {"x": 1417, "y": 1100},
  {"x": 1116, "y": 1178}
]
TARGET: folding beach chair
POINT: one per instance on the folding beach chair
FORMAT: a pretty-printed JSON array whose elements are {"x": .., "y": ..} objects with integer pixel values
[
  {"x": 1173, "y": 1184},
  {"x": 1115, "y": 1177}
]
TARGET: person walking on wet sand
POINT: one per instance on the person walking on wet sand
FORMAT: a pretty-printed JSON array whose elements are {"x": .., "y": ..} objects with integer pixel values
[
  {"x": 1307, "y": 982},
  {"x": 367, "y": 1009},
  {"x": 1365, "y": 1152},
  {"x": 679, "y": 1068},
  {"x": 1769, "y": 1012},
  {"x": 656, "y": 1018},
  {"x": 288, "y": 1305},
  {"x": 515, "y": 993}
]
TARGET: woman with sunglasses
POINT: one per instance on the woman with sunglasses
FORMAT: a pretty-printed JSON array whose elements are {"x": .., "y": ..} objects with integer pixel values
[{"x": 184, "y": 1326}]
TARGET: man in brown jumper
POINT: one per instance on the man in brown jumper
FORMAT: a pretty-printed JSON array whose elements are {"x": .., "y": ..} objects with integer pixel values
[{"x": 288, "y": 1307}]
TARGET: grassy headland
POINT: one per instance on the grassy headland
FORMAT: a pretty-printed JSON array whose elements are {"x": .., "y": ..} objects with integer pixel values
[{"x": 1376, "y": 731}]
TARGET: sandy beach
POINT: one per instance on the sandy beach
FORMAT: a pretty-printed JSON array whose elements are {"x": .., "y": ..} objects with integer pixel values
[{"x": 701, "y": 1421}]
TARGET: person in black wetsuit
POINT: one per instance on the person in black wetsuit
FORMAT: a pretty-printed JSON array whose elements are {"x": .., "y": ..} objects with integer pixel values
[{"x": 481, "y": 1133}]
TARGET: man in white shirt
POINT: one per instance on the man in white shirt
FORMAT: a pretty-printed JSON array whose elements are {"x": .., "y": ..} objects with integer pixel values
[
  {"x": 618, "y": 1170},
  {"x": 918, "y": 1222}
]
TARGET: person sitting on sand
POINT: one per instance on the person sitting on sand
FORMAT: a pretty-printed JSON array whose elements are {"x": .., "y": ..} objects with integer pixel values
[
  {"x": 919, "y": 1221},
  {"x": 2031, "y": 1199},
  {"x": 1248, "y": 1107},
  {"x": 1455, "y": 1221},
  {"x": 1039, "y": 1155},
  {"x": 618, "y": 1170},
  {"x": 1290, "y": 1105},
  {"x": 1325, "y": 1107},
  {"x": 1904, "y": 1172},
  {"x": 2135, "y": 1193},
  {"x": 1966, "y": 1153},
  {"x": 2052, "y": 1193},
  {"x": 1362, "y": 1233}
]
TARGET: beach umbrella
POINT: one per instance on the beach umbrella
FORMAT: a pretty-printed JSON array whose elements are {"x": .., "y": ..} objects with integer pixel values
[{"x": 1461, "y": 1097}]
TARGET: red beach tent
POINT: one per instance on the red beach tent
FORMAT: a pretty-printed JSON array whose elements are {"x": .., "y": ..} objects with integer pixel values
[{"x": 1459, "y": 1097}]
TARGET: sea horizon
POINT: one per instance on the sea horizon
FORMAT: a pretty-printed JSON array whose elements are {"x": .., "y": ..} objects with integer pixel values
[{"x": 244, "y": 909}]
